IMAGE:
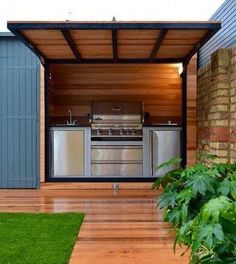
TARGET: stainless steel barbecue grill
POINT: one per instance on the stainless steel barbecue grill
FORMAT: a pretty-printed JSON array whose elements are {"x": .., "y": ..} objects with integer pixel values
[
  {"x": 117, "y": 120},
  {"x": 116, "y": 146}
]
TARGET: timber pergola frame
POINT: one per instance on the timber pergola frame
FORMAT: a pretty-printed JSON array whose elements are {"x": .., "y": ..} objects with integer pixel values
[
  {"x": 18, "y": 29},
  {"x": 159, "y": 39}
]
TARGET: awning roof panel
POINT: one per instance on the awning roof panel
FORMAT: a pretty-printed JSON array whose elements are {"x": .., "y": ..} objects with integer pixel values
[
  {"x": 114, "y": 41},
  {"x": 176, "y": 52},
  {"x": 134, "y": 51},
  {"x": 96, "y": 51}
]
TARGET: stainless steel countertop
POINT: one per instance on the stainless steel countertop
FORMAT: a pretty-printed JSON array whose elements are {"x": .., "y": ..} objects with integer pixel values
[{"x": 67, "y": 127}]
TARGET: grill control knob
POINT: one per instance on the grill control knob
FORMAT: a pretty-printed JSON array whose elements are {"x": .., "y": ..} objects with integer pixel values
[
  {"x": 110, "y": 131},
  {"x": 133, "y": 131},
  {"x": 99, "y": 132},
  {"x": 122, "y": 131}
]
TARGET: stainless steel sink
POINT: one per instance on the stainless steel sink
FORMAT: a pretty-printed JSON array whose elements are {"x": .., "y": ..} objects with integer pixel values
[{"x": 165, "y": 124}]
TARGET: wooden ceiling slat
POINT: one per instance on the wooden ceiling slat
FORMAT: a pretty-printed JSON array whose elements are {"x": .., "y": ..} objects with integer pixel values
[
  {"x": 55, "y": 51},
  {"x": 52, "y": 44},
  {"x": 42, "y": 34},
  {"x": 91, "y": 34},
  {"x": 203, "y": 40},
  {"x": 137, "y": 35},
  {"x": 180, "y": 34},
  {"x": 96, "y": 51},
  {"x": 134, "y": 52},
  {"x": 178, "y": 42}
]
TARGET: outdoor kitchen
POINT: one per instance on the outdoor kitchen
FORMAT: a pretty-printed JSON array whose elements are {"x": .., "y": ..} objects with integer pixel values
[
  {"x": 118, "y": 138},
  {"x": 120, "y": 133},
  {"x": 114, "y": 144},
  {"x": 119, "y": 97}
]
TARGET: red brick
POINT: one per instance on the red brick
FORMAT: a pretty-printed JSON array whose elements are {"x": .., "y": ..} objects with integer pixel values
[
  {"x": 219, "y": 134},
  {"x": 232, "y": 137},
  {"x": 203, "y": 132}
]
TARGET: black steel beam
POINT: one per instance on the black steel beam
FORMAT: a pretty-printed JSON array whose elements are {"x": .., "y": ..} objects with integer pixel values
[
  {"x": 114, "y": 45},
  {"x": 197, "y": 47},
  {"x": 111, "y": 61},
  {"x": 47, "y": 122},
  {"x": 113, "y": 25},
  {"x": 102, "y": 179},
  {"x": 184, "y": 117},
  {"x": 158, "y": 43},
  {"x": 71, "y": 44}
]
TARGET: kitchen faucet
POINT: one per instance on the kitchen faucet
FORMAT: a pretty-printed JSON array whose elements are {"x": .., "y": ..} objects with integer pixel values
[{"x": 71, "y": 122}]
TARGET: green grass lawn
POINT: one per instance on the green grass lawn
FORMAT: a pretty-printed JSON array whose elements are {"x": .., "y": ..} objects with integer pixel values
[{"x": 38, "y": 238}]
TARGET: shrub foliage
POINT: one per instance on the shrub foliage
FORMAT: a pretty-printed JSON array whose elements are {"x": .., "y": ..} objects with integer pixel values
[{"x": 200, "y": 203}]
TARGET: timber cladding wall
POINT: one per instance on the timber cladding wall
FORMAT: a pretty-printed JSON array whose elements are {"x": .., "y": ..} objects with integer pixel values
[
  {"x": 217, "y": 105},
  {"x": 157, "y": 85}
]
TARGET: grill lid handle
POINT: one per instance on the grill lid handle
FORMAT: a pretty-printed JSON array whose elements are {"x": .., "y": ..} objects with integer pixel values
[{"x": 116, "y": 108}]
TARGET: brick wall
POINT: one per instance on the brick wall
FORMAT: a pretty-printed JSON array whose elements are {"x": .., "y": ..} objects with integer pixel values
[
  {"x": 216, "y": 105},
  {"x": 232, "y": 72}
]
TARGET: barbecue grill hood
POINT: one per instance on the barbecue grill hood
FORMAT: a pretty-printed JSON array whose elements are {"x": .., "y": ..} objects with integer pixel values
[{"x": 117, "y": 111}]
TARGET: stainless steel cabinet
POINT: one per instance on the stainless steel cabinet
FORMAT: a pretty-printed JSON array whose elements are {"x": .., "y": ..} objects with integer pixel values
[
  {"x": 68, "y": 152},
  {"x": 165, "y": 145},
  {"x": 160, "y": 145}
]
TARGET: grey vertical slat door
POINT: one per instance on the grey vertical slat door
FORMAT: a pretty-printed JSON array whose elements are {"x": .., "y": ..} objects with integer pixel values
[{"x": 19, "y": 113}]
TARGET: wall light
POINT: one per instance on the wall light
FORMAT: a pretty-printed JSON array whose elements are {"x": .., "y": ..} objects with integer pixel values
[{"x": 180, "y": 69}]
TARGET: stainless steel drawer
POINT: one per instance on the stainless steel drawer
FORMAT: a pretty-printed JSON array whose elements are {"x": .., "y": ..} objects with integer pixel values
[
  {"x": 116, "y": 153},
  {"x": 117, "y": 169}
]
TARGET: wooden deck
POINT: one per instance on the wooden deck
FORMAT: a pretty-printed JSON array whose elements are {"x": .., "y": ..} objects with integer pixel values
[{"x": 123, "y": 227}]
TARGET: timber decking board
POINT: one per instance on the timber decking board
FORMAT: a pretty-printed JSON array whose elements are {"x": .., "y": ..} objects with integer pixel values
[{"x": 123, "y": 227}]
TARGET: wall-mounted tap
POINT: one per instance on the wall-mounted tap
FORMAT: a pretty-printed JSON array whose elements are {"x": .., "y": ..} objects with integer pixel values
[{"x": 71, "y": 121}]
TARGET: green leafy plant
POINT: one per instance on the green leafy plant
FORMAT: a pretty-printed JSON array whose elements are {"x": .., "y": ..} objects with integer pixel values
[{"x": 200, "y": 203}]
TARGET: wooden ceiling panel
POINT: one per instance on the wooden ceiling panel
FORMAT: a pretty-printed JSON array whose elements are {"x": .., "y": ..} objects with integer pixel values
[
  {"x": 173, "y": 51},
  {"x": 44, "y": 36},
  {"x": 178, "y": 43},
  {"x": 51, "y": 43},
  {"x": 134, "y": 51},
  {"x": 95, "y": 51},
  {"x": 56, "y": 51},
  {"x": 91, "y": 37},
  {"x": 93, "y": 44},
  {"x": 195, "y": 34},
  {"x": 138, "y": 34}
]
